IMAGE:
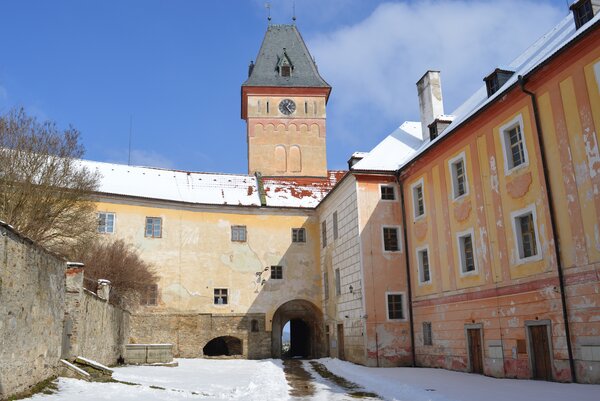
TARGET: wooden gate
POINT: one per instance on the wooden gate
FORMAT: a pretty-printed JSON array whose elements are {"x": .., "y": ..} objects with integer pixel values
[
  {"x": 475, "y": 350},
  {"x": 541, "y": 362}
]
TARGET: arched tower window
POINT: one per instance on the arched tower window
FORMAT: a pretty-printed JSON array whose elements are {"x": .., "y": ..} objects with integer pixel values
[
  {"x": 295, "y": 159},
  {"x": 280, "y": 159}
]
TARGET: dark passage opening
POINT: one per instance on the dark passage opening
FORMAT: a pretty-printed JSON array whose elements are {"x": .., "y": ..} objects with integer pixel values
[
  {"x": 223, "y": 346},
  {"x": 299, "y": 339}
]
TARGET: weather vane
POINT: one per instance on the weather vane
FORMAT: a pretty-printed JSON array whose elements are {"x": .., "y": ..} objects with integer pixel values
[{"x": 268, "y": 7}]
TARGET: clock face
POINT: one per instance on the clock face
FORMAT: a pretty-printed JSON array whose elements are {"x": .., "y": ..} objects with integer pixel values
[{"x": 287, "y": 106}]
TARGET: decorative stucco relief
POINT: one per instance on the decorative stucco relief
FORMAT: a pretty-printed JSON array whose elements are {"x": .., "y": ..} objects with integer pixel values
[
  {"x": 519, "y": 185},
  {"x": 462, "y": 210}
]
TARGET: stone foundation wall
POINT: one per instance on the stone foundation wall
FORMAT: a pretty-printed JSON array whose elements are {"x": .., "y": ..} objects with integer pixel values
[
  {"x": 189, "y": 333},
  {"x": 32, "y": 305},
  {"x": 94, "y": 328}
]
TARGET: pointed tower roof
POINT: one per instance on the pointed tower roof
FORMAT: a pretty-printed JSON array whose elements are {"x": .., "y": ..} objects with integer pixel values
[{"x": 284, "y": 42}]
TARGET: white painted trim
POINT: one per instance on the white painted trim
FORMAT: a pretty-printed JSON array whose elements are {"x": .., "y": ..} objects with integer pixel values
[
  {"x": 399, "y": 234},
  {"x": 228, "y": 297},
  {"x": 517, "y": 230},
  {"x": 413, "y": 186},
  {"x": 460, "y": 235},
  {"x": 451, "y": 163},
  {"x": 518, "y": 120},
  {"x": 114, "y": 223},
  {"x": 418, "y": 250},
  {"x": 390, "y": 185},
  {"x": 387, "y": 311}
]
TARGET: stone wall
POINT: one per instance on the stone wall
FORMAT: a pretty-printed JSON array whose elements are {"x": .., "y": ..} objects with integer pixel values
[
  {"x": 32, "y": 305},
  {"x": 189, "y": 333},
  {"x": 94, "y": 328}
]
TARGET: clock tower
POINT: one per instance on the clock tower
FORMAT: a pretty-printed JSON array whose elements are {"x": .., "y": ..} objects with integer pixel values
[{"x": 283, "y": 103}]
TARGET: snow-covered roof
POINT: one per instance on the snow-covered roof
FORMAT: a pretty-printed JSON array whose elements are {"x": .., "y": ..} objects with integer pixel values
[
  {"x": 210, "y": 188},
  {"x": 302, "y": 192},
  {"x": 390, "y": 153},
  {"x": 538, "y": 53},
  {"x": 174, "y": 185},
  {"x": 403, "y": 145}
]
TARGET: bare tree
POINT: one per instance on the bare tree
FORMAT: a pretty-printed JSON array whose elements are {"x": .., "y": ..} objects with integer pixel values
[
  {"x": 44, "y": 191},
  {"x": 119, "y": 262}
]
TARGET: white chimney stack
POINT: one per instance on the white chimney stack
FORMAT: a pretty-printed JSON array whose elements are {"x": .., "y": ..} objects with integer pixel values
[{"x": 431, "y": 104}]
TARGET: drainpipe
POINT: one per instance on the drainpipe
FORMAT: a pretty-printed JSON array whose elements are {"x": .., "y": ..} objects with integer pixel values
[
  {"x": 408, "y": 282},
  {"x": 561, "y": 279}
]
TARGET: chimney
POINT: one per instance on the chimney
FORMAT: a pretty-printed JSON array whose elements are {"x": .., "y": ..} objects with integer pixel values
[
  {"x": 103, "y": 289},
  {"x": 431, "y": 105}
]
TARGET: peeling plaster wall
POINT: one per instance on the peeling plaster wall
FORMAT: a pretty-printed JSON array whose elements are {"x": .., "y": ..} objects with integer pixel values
[
  {"x": 506, "y": 293},
  {"x": 343, "y": 253},
  {"x": 195, "y": 255}
]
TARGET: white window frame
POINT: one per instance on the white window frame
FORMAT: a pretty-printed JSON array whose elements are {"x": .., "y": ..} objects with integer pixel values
[
  {"x": 237, "y": 228},
  {"x": 114, "y": 215},
  {"x": 387, "y": 309},
  {"x": 393, "y": 189},
  {"x": 530, "y": 209},
  {"x": 518, "y": 120},
  {"x": 413, "y": 187},
  {"x": 398, "y": 234},
  {"x": 461, "y": 261},
  {"x": 418, "y": 252},
  {"x": 228, "y": 297},
  {"x": 453, "y": 177}
]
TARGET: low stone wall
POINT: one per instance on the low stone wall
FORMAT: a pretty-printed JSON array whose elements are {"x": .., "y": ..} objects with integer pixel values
[
  {"x": 32, "y": 307},
  {"x": 189, "y": 333},
  {"x": 94, "y": 328}
]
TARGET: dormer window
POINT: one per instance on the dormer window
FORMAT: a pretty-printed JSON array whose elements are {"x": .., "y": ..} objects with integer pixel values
[
  {"x": 583, "y": 11},
  {"x": 284, "y": 65},
  {"x": 496, "y": 80}
]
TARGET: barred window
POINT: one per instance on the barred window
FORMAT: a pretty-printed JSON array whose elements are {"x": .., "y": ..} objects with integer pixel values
[
  {"x": 427, "y": 335},
  {"x": 238, "y": 233}
]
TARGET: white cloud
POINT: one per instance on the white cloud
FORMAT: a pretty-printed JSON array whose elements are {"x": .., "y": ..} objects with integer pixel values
[{"x": 373, "y": 65}]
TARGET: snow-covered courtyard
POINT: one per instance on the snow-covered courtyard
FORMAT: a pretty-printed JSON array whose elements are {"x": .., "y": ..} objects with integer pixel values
[{"x": 208, "y": 380}]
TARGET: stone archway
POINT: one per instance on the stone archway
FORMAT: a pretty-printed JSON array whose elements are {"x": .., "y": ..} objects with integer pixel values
[
  {"x": 223, "y": 346},
  {"x": 306, "y": 321}
]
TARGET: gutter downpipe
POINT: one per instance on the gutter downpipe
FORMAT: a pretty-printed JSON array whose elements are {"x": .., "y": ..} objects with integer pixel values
[
  {"x": 561, "y": 279},
  {"x": 408, "y": 281}
]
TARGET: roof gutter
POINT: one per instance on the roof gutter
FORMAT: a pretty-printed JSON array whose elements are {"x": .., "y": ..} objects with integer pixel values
[{"x": 538, "y": 127}]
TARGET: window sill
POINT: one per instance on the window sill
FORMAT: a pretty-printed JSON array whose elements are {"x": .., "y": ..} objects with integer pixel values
[
  {"x": 517, "y": 169},
  {"x": 535, "y": 258}
]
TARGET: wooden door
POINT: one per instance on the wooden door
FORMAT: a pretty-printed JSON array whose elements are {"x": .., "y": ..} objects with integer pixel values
[
  {"x": 340, "y": 337},
  {"x": 540, "y": 353},
  {"x": 475, "y": 350}
]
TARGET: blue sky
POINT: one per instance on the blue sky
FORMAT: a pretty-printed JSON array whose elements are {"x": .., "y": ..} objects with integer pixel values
[{"x": 175, "y": 67}]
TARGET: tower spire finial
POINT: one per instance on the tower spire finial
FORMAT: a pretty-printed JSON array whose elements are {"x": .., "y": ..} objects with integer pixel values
[
  {"x": 294, "y": 12},
  {"x": 268, "y": 7}
]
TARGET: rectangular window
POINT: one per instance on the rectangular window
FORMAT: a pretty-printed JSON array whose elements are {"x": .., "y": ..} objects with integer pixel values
[
  {"x": 387, "y": 192},
  {"x": 277, "y": 272},
  {"x": 583, "y": 12},
  {"x": 338, "y": 282},
  {"x": 418, "y": 199},
  {"x": 298, "y": 235},
  {"x": 305, "y": 107},
  {"x": 238, "y": 233},
  {"x": 220, "y": 296},
  {"x": 526, "y": 237},
  {"x": 324, "y": 233},
  {"x": 513, "y": 144},
  {"x": 153, "y": 227},
  {"x": 150, "y": 295},
  {"x": 423, "y": 259},
  {"x": 466, "y": 253},
  {"x": 267, "y": 107},
  {"x": 459, "y": 176},
  {"x": 326, "y": 285},
  {"x": 427, "y": 335},
  {"x": 106, "y": 223},
  {"x": 335, "y": 226},
  {"x": 391, "y": 241},
  {"x": 395, "y": 306},
  {"x": 286, "y": 71}
]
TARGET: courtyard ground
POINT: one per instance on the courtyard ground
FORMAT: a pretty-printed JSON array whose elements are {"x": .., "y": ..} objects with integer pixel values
[{"x": 274, "y": 380}]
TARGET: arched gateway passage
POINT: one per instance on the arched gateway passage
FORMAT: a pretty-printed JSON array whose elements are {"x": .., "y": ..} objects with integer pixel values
[
  {"x": 223, "y": 346},
  {"x": 306, "y": 329}
]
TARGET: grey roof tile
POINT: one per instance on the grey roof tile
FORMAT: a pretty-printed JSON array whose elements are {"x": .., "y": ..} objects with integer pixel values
[{"x": 265, "y": 73}]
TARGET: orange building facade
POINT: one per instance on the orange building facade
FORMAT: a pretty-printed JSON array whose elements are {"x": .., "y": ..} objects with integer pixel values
[{"x": 503, "y": 229}]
